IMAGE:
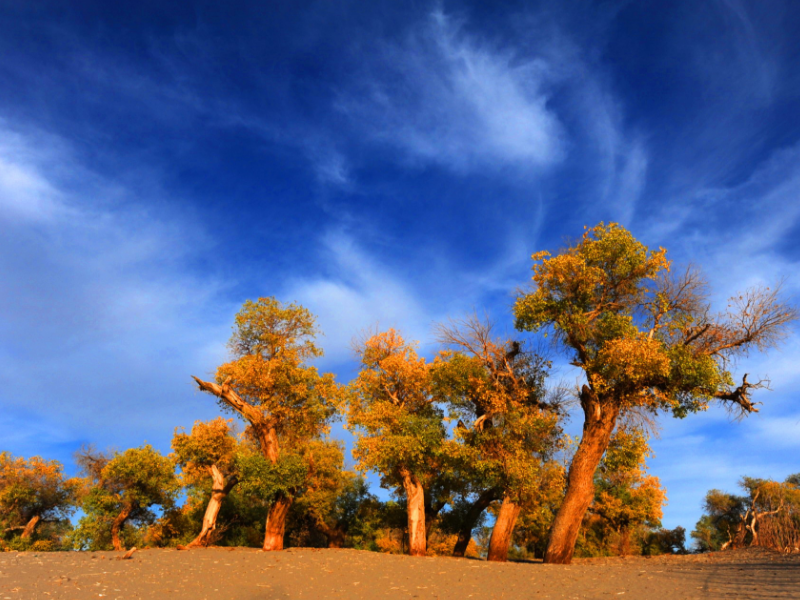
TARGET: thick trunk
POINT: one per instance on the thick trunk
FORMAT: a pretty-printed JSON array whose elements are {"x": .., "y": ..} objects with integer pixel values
[
  {"x": 219, "y": 490},
  {"x": 471, "y": 519},
  {"x": 30, "y": 527},
  {"x": 116, "y": 527},
  {"x": 597, "y": 430},
  {"x": 503, "y": 531},
  {"x": 276, "y": 523},
  {"x": 415, "y": 495},
  {"x": 264, "y": 427}
]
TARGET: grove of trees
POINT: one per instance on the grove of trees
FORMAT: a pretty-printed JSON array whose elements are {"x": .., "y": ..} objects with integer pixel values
[{"x": 469, "y": 441}]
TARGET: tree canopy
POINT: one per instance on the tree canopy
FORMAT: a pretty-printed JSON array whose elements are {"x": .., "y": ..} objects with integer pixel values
[{"x": 646, "y": 340}]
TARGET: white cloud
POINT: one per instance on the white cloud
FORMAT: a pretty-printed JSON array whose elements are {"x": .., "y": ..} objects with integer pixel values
[
  {"x": 101, "y": 321},
  {"x": 358, "y": 295},
  {"x": 445, "y": 97}
]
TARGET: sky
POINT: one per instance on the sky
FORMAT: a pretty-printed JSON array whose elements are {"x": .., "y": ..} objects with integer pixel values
[{"x": 389, "y": 164}]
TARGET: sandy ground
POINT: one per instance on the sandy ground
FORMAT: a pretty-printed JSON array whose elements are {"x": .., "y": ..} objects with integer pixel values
[{"x": 245, "y": 574}]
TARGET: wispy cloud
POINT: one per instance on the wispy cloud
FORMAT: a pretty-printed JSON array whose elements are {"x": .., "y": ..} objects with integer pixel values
[
  {"x": 446, "y": 97},
  {"x": 97, "y": 278},
  {"x": 359, "y": 294}
]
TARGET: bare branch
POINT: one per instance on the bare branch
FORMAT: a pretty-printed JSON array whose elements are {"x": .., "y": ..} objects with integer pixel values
[{"x": 739, "y": 398}]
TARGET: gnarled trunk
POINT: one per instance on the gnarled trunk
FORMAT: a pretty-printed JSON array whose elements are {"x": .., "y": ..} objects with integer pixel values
[
  {"x": 471, "y": 519},
  {"x": 116, "y": 527},
  {"x": 415, "y": 496},
  {"x": 597, "y": 430},
  {"x": 219, "y": 490},
  {"x": 503, "y": 530},
  {"x": 276, "y": 523},
  {"x": 30, "y": 527}
]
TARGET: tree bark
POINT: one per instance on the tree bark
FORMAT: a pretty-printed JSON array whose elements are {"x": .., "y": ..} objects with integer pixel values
[
  {"x": 471, "y": 519},
  {"x": 276, "y": 523},
  {"x": 219, "y": 490},
  {"x": 597, "y": 430},
  {"x": 503, "y": 530},
  {"x": 415, "y": 496},
  {"x": 30, "y": 527},
  {"x": 116, "y": 527},
  {"x": 264, "y": 427}
]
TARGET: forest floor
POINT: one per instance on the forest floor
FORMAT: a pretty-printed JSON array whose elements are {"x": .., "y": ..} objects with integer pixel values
[{"x": 297, "y": 573}]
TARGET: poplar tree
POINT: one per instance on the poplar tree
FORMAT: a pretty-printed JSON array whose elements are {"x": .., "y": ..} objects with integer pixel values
[
  {"x": 206, "y": 456},
  {"x": 399, "y": 429},
  {"x": 646, "y": 340},
  {"x": 269, "y": 384}
]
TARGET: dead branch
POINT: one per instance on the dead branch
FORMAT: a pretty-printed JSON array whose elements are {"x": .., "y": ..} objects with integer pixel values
[{"x": 738, "y": 400}]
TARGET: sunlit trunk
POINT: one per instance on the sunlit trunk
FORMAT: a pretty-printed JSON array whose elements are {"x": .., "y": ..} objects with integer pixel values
[
  {"x": 30, "y": 527},
  {"x": 219, "y": 490},
  {"x": 417, "y": 542},
  {"x": 276, "y": 523},
  {"x": 597, "y": 430},
  {"x": 116, "y": 527},
  {"x": 503, "y": 531}
]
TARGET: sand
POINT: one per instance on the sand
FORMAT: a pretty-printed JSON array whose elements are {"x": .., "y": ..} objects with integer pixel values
[{"x": 244, "y": 574}]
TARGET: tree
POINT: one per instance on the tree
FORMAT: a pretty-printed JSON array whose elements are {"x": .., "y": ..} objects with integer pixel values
[
  {"x": 121, "y": 489},
  {"x": 627, "y": 500},
  {"x": 507, "y": 427},
  {"x": 398, "y": 428},
  {"x": 722, "y": 524},
  {"x": 269, "y": 384},
  {"x": 767, "y": 515},
  {"x": 32, "y": 492},
  {"x": 646, "y": 341},
  {"x": 334, "y": 502},
  {"x": 206, "y": 455}
]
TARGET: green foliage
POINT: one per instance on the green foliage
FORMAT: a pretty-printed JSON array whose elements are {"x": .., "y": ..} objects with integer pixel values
[
  {"x": 768, "y": 514},
  {"x": 263, "y": 480},
  {"x": 664, "y": 541},
  {"x": 132, "y": 481}
]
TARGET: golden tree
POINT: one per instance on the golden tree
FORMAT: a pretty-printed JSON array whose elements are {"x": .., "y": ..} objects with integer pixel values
[
  {"x": 398, "y": 428},
  {"x": 122, "y": 488},
  {"x": 645, "y": 340},
  {"x": 507, "y": 428},
  {"x": 269, "y": 383},
  {"x": 33, "y": 491},
  {"x": 206, "y": 456}
]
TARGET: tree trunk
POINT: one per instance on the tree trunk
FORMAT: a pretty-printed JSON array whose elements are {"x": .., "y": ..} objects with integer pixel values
[
  {"x": 30, "y": 527},
  {"x": 219, "y": 490},
  {"x": 597, "y": 430},
  {"x": 116, "y": 527},
  {"x": 503, "y": 530},
  {"x": 415, "y": 496},
  {"x": 276, "y": 523},
  {"x": 624, "y": 548},
  {"x": 336, "y": 535},
  {"x": 471, "y": 519}
]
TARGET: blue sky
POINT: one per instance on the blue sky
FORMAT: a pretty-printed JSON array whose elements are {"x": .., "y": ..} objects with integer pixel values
[{"x": 390, "y": 163}]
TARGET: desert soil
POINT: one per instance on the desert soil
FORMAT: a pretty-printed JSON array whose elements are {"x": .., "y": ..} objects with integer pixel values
[{"x": 244, "y": 574}]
